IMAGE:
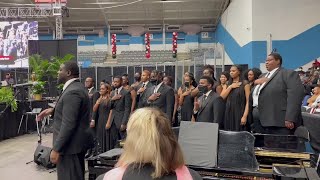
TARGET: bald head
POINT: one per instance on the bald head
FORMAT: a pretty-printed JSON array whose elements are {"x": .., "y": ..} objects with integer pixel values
[{"x": 145, "y": 76}]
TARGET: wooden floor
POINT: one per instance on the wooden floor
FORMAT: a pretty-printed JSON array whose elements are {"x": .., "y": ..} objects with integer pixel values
[{"x": 16, "y": 152}]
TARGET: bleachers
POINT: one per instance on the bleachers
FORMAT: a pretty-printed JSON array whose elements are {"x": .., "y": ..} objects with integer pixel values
[
  {"x": 132, "y": 57},
  {"x": 201, "y": 52},
  {"x": 160, "y": 56},
  {"x": 95, "y": 56}
]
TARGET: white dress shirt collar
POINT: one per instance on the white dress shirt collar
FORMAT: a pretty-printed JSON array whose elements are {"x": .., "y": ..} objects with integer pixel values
[
  {"x": 119, "y": 89},
  {"x": 157, "y": 87},
  {"x": 68, "y": 83},
  {"x": 272, "y": 72},
  {"x": 207, "y": 94},
  {"x": 145, "y": 83},
  {"x": 90, "y": 89},
  {"x": 257, "y": 89}
]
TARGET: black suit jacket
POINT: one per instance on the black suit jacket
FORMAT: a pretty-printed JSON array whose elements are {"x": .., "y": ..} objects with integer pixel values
[
  {"x": 71, "y": 116},
  {"x": 121, "y": 108},
  {"x": 91, "y": 100},
  {"x": 212, "y": 110},
  {"x": 280, "y": 99},
  {"x": 141, "y": 97},
  {"x": 165, "y": 102}
]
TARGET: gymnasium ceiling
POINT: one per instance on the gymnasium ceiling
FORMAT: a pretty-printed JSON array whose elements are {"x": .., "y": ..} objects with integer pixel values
[{"x": 101, "y": 13}]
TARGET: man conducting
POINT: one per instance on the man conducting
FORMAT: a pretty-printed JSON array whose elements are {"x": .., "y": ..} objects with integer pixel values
[{"x": 70, "y": 115}]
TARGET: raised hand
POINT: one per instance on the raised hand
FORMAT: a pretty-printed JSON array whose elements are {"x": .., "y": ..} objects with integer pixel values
[{"x": 44, "y": 113}]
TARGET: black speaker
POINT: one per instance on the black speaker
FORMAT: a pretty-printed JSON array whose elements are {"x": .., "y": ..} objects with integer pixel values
[{"x": 42, "y": 156}]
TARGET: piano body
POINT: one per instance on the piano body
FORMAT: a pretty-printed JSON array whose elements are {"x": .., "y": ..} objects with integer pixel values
[{"x": 241, "y": 155}]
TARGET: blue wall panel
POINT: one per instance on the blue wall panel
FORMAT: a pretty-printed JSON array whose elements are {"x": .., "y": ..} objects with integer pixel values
[
  {"x": 136, "y": 40},
  {"x": 239, "y": 55},
  {"x": 192, "y": 38},
  {"x": 296, "y": 52}
]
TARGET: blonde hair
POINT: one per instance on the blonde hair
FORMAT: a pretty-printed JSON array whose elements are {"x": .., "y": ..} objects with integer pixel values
[{"x": 150, "y": 139}]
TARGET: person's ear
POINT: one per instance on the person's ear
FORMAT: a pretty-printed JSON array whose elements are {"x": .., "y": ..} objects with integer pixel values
[{"x": 69, "y": 73}]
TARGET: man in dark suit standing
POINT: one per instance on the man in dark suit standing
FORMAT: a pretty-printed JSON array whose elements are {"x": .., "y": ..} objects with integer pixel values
[
  {"x": 277, "y": 98},
  {"x": 121, "y": 106},
  {"x": 70, "y": 115},
  {"x": 160, "y": 95},
  {"x": 89, "y": 84},
  {"x": 142, "y": 88},
  {"x": 210, "y": 106}
]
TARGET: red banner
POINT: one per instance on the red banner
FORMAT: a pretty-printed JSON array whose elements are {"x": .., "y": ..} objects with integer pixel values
[
  {"x": 114, "y": 45},
  {"x": 6, "y": 58},
  {"x": 174, "y": 44},
  {"x": 147, "y": 42}
]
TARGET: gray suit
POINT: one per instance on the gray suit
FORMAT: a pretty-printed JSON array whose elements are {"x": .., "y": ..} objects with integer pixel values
[
  {"x": 165, "y": 102},
  {"x": 70, "y": 137},
  {"x": 211, "y": 110},
  {"x": 121, "y": 108},
  {"x": 280, "y": 99},
  {"x": 141, "y": 97}
]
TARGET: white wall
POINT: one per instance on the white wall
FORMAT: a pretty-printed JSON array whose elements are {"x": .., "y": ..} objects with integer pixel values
[
  {"x": 237, "y": 19},
  {"x": 102, "y": 47},
  {"x": 85, "y": 48},
  {"x": 99, "y": 47},
  {"x": 182, "y": 48},
  {"x": 283, "y": 19}
]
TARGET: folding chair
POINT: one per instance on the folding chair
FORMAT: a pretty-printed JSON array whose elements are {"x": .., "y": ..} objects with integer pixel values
[{"x": 35, "y": 111}]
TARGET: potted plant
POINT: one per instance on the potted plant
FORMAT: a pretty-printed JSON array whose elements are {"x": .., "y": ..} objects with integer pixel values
[
  {"x": 38, "y": 67},
  {"x": 55, "y": 66},
  {"x": 43, "y": 69},
  {"x": 7, "y": 97},
  {"x": 38, "y": 89}
]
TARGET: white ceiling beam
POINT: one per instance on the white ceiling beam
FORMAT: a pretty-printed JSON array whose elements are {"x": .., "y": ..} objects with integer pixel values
[
  {"x": 167, "y": 18},
  {"x": 166, "y": 11}
]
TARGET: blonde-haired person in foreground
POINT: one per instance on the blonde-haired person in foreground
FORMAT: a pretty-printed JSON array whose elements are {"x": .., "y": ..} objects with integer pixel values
[{"x": 151, "y": 150}]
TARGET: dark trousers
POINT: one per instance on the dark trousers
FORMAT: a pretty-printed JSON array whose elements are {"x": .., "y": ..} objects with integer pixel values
[
  {"x": 71, "y": 167},
  {"x": 258, "y": 128}
]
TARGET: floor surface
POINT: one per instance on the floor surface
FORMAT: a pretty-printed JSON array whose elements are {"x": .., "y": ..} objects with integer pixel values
[{"x": 16, "y": 152}]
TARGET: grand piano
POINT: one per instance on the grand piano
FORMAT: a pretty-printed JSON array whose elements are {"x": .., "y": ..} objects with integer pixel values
[{"x": 237, "y": 155}]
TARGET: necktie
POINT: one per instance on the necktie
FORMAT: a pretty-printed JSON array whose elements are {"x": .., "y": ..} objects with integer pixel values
[
  {"x": 143, "y": 85},
  {"x": 259, "y": 86},
  {"x": 117, "y": 92},
  {"x": 203, "y": 100}
]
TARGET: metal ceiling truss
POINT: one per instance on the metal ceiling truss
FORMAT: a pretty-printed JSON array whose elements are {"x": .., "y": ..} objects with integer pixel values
[
  {"x": 25, "y": 12},
  {"x": 35, "y": 12}
]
